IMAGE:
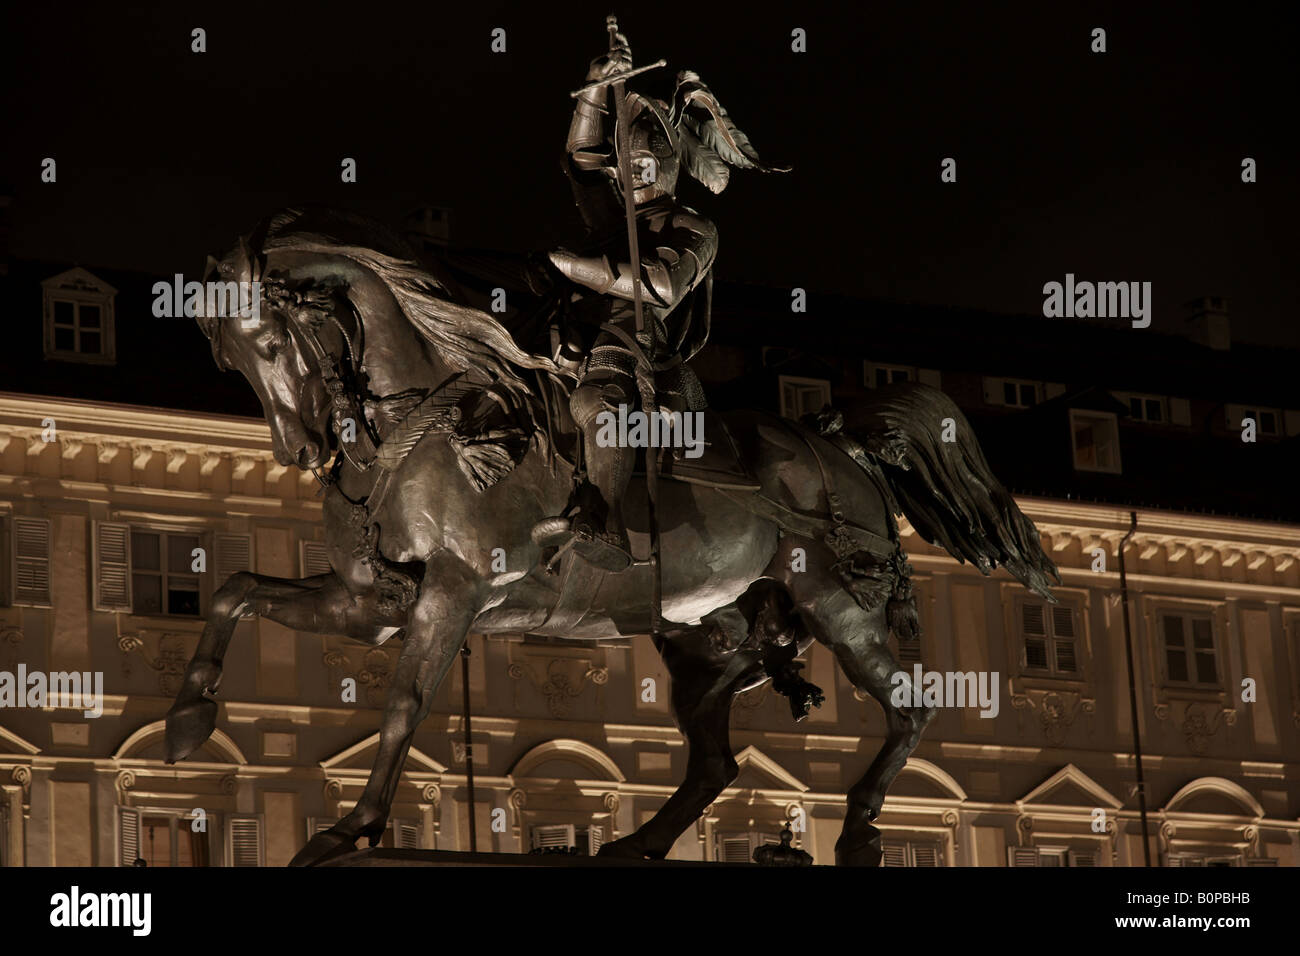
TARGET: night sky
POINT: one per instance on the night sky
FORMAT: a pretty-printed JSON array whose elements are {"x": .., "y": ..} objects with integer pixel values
[{"x": 1123, "y": 166}]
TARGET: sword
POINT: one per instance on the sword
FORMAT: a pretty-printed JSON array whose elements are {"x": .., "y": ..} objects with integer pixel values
[{"x": 645, "y": 376}]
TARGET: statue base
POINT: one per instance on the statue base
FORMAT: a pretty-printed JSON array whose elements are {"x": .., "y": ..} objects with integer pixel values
[{"x": 383, "y": 856}]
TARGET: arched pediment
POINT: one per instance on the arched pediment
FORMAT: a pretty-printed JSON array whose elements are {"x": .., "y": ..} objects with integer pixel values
[
  {"x": 921, "y": 778},
  {"x": 147, "y": 744},
  {"x": 567, "y": 759},
  {"x": 1215, "y": 795}
]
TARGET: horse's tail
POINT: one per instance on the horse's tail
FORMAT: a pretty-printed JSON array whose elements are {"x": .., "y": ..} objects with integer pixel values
[{"x": 933, "y": 467}]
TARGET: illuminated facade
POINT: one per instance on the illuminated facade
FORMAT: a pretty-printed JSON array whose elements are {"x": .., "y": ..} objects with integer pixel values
[{"x": 102, "y": 508}]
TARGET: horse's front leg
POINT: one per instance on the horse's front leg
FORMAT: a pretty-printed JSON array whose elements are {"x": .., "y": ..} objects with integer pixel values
[
  {"x": 320, "y": 604},
  {"x": 450, "y": 599}
]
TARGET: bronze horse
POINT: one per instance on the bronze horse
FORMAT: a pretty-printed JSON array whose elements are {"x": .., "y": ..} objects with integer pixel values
[{"x": 457, "y": 447}]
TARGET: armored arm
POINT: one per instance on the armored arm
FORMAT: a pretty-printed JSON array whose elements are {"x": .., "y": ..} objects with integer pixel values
[{"x": 681, "y": 260}]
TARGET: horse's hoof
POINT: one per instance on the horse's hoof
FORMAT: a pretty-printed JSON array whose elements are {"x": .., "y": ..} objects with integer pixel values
[
  {"x": 189, "y": 724},
  {"x": 324, "y": 847},
  {"x": 622, "y": 849},
  {"x": 862, "y": 848}
]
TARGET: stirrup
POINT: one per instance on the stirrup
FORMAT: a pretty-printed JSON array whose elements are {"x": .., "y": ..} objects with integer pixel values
[{"x": 606, "y": 550}]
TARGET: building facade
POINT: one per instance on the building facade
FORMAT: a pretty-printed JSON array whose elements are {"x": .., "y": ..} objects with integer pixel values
[{"x": 120, "y": 518}]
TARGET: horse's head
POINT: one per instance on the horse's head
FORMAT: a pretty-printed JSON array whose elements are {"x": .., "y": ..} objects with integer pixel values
[{"x": 274, "y": 347}]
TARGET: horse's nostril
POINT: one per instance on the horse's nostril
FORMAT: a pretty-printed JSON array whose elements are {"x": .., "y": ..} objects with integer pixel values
[{"x": 306, "y": 455}]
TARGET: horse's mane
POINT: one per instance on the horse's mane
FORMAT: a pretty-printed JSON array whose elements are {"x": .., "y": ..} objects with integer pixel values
[{"x": 468, "y": 339}]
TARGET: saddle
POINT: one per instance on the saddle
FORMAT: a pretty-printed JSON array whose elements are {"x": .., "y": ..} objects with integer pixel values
[{"x": 719, "y": 466}]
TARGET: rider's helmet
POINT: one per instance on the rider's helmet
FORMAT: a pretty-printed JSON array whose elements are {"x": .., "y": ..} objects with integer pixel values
[{"x": 654, "y": 150}]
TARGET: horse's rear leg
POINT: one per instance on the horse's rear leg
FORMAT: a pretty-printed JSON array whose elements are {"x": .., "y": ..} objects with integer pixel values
[
  {"x": 704, "y": 683},
  {"x": 319, "y": 604},
  {"x": 858, "y": 640}
]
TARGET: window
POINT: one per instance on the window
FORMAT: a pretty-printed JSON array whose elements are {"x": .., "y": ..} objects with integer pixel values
[
  {"x": 161, "y": 838},
  {"x": 1268, "y": 421},
  {"x": 907, "y": 853},
  {"x": 162, "y": 576},
  {"x": 149, "y": 571},
  {"x": 1096, "y": 441},
  {"x": 78, "y": 317},
  {"x": 739, "y": 847},
  {"x": 1190, "y": 656},
  {"x": 1012, "y": 392},
  {"x": 1145, "y": 408},
  {"x": 1049, "y": 635},
  {"x": 876, "y": 376},
  {"x": 803, "y": 396},
  {"x": 576, "y": 840},
  {"x": 1051, "y": 856}
]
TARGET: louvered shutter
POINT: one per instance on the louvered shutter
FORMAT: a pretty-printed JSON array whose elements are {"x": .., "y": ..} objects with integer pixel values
[
  {"x": 315, "y": 559},
  {"x": 4, "y": 833},
  {"x": 244, "y": 837},
  {"x": 595, "y": 837},
  {"x": 1063, "y": 638},
  {"x": 926, "y": 854},
  {"x": 317, "y": 825},
  {"x": 112, "y": 566},
  {"x": 1034, "y": 628},
  {"x": 406, "y": 835},
  {"x": 734, "y": 849},
  {"x": 234, "y": 553},
  {"x": 128, "y": 836},
  {"x": 1022, "y": 856},
  {"x": 31, "y": 561},
  {"x": 1083, "y": 858},
  {"x": 549, "y": 837},
  {"x": 895, "y": 854}
]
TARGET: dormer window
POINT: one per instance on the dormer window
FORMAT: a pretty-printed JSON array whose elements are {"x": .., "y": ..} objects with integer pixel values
[{"x": 78, "y": 318}]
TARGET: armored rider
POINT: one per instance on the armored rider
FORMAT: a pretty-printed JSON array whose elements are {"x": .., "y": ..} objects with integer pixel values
[{"x": 677, "y": 247}]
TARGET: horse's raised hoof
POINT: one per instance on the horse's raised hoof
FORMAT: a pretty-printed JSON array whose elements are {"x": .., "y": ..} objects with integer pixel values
[
  {"x": 624, "y": 848},
  {"x": 862, "y": 848},
  {"x": 324, "y": 847},
  {"x": 189, "y": 724}
]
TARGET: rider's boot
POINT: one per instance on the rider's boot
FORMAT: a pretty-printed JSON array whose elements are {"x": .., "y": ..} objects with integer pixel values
[{"x": 600, "y": 537}]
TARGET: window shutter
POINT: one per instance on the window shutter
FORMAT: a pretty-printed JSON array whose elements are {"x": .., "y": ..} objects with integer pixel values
[
  {"x": 929, "y": 376},
  {"x": 244, "y": 837},
  {"x": 1022, "y": 856},
  {"x": 406, "y": 835},
  {"x": 1063, "y": 634},
  {"x": 1262, "y": 861},
  {"x": 1034, "y": 627},
  {"x": 234, "y": 553},
  {"x": 128, "y": 836},
  {"x": 4, "y": 833},
  {"x": 895, "y": 854},
  {"x": 1083, "y": 858},
  {"x": 315, "y": 559},
  {"x": 547, "y": 837},
  {"x": 595, "y": 837},
  {"x": 112, "y": 566},
  {"x": 926, "y": 854},
  {"x": 734, "y": 849},
  {"x": 317, "y": 825},
  {"x": 1180, "y": 411},
  {"x": 31, "y": 561}
]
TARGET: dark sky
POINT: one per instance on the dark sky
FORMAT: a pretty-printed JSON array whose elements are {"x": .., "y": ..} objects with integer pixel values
[{"x": 1122, "y": 166}]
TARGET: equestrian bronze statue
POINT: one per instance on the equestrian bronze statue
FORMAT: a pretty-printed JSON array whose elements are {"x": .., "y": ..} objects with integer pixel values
[{"x": 441, "y": 435}]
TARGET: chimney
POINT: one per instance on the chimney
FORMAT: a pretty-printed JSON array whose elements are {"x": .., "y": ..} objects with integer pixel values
[
  {"x": 428, "y": 226},
  {"x": 1208, "y": 322}
]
